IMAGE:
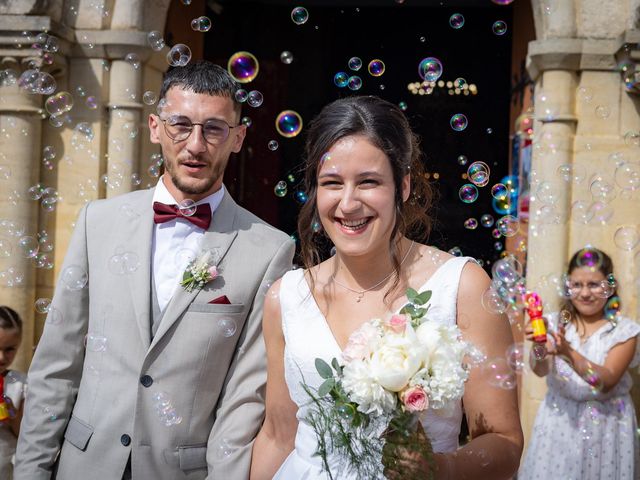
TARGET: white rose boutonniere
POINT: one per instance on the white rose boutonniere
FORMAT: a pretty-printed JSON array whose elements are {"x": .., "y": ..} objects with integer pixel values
[{"x": 199, "y": 271}]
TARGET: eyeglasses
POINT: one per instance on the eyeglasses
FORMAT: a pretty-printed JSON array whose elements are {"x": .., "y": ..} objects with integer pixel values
[
  {"x": 599, "y": 289},
  {"x": 214, "y": 130}
]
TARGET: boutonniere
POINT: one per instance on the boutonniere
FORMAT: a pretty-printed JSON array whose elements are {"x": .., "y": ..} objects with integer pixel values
[{"x": 199, "y": 271}]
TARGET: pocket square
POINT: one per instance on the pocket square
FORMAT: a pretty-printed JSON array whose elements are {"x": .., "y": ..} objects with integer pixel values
[{"x": 220, "y": 300}]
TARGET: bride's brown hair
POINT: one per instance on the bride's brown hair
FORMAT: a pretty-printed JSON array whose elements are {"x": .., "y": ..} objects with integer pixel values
[{"x": 386, "y": 127}]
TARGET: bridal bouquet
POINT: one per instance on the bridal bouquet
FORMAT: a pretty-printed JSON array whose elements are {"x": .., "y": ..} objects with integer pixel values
[{"x": 390, "y": 371}]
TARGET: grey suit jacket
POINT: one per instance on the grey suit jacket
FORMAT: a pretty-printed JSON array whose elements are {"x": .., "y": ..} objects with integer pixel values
[{"x": 89, "y": 408}]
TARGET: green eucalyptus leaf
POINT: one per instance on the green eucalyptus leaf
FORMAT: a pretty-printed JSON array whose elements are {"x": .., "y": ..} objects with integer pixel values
[
  {"x": 326, "y": 387},
  {"x": 323, "y": 368},
  {"x": 336, "y": 365},
  {"x": 424, "y": 297},
  {"x": 409, "y": 309},
  {"x": 411, "y": 294}
]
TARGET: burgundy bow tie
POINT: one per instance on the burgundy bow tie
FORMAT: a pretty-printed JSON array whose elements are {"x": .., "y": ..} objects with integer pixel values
[{"x": 164, "y": 213}]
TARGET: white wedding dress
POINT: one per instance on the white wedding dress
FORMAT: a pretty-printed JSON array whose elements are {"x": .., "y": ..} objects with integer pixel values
[{"x": 308, "y": 336}]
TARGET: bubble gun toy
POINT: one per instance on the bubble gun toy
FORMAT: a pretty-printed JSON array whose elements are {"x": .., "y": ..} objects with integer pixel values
[
  {"x": 4, "y": 408},
  {"x": 533, "y": 304}
]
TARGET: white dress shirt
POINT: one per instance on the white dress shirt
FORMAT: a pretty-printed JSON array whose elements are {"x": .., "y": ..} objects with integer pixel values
[{"x": 175, "y": 244}]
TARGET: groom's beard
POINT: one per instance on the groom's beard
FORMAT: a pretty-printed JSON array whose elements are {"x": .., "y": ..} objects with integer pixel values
[
  {"x": 200, "y": 185},
  {"x": 197, "y": 189}
]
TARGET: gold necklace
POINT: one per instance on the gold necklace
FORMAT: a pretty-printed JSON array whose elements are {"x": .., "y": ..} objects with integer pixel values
[{"x": 360, "y": 293}]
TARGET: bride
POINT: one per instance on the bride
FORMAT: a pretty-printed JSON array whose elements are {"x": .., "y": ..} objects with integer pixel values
[{"x": 368, "y": 196}]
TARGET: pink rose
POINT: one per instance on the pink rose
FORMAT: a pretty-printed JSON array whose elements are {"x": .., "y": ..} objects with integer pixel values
[
  {"x": 213, "y": 272},
  {"x": 415, "y": 399},
  {"x": 361, "y": 343},
  {"x": 397, "y": 323}
]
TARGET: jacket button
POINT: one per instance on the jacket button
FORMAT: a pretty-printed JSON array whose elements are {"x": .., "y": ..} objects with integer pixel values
[
  {"x": 146, "y": 381},
  {"x": 125, "y": 440}
]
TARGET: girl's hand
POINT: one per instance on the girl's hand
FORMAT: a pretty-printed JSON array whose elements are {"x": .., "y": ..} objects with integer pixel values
[
  {"x": 562, "y": 347},
  {"x": 550, "y": 345}
]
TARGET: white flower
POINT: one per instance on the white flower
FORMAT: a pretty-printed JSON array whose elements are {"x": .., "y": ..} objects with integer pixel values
[
  {"x": 397, "y": 358},
  {"x": 428, "y": 334},
  {"x": 363, "y": 389}
]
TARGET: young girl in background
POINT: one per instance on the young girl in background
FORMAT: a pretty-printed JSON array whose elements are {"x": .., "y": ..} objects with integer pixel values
[
  {"x": 13, "y": 389},
  {"x": 586, "y": 425}
]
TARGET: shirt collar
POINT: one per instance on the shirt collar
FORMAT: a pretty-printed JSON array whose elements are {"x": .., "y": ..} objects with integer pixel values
[{"x": 161, "y": 194}]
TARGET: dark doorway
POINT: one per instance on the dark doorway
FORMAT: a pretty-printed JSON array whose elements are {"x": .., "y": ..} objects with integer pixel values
[{"x": 400, "y": 34}]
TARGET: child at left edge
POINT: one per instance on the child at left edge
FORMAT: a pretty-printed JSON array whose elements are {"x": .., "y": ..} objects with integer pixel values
[{"x": 14, "y": 386}]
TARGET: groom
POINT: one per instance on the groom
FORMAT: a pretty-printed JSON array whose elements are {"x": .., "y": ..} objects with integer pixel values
[{"x": 136, "y": 376}]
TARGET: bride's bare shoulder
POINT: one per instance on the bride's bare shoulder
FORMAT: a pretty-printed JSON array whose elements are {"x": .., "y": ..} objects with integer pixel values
[{"x": 428, "y": 257}]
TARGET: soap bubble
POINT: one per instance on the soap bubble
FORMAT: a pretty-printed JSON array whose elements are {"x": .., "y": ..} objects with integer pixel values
[
  {"x": 603, "y": 112},
  {"x": 28, "y": 246},
  {"x": 227, "y": 327},
  {"x": 486, "y": 220},
  {"x": 354, "y": 83},
  {"x": 626, "y": 237},
  {"x": 430, "y": 69},
  {"x": 155, "y": 40},
  {"x": 462, "y": 160},
  {"x": 286, "y": 57},
  {"x": 515, "y": 357},
  {"x": 459, "y": 122},
  {"x": 255, "y": 98},
  {"x": 289, "y": 123},
  {"x": 91, "y": 102},
  {"x": 54, "y": 316},
  {"x": 499, "y": 374},
  {"x": 456, "y": 21},
  {"x": 341, "y": 79},
  {"x": 499, "y": 27},
  {"x": 627, "y": 176},
  {"x": 149, "y": 97},
  {"x": 479, "y": 173},
  {"x": 187, "y": 207},
  {"x": 179, "y": 55},
  {"x": 273, "y": 145},
  {"x": 45, "y": 84},
  {"x": 300, "y": 196},
  {"x": 376, "y": 68},
  {"x": 468, "y": 193},
  {"x": 508, "y": 225},
  {"x": 280, "y": 189},
  {"x": 299, "y": 15},
  {"x": 201, "y": 24},
  {"x": 355, "y": 63},
  {"x": 246, "y": 121},
  {"x": 43, "y": 305},
  {"x": 499, "y": 191},
  {"x": 74, "y": 277},
  {"x": 94, "y": 342},
  {"x": 133, "y": 59},
  {"x": 59, "y": 103},
  {"x": 241, "y": 95},
  {"x": 471, "y": 224}
]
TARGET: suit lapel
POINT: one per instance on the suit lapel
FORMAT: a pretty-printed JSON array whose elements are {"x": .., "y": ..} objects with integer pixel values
[
  {"x": 218, "y": 238},
  {"x": 139, "y": 235}
]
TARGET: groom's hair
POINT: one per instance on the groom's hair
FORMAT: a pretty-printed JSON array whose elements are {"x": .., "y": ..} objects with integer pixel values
[{"x": 204, "y": 77}]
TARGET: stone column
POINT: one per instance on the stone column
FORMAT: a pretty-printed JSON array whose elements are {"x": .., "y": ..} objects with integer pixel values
[
  {"x": 20, "y": 147},
  {"x": 583, "y": 112}
]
